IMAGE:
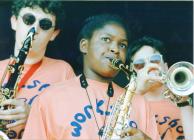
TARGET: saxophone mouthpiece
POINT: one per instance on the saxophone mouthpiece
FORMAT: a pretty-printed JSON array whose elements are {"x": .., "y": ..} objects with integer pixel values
[{"x": 116, "y": 63}]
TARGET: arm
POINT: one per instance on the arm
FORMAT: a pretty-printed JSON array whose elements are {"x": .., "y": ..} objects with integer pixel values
[
  {"x": 187, "y": 121},
  {"x": 36, "y": 124},
  {"x": 186, "y": 109}
]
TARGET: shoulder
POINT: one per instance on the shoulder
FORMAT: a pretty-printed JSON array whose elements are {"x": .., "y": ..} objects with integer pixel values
[
  {"x": 61, "y": 91},
  {"x": 55, "y": 62},
  {"x": 4, "y": 62},
  {"x": 60, "y": 66}
]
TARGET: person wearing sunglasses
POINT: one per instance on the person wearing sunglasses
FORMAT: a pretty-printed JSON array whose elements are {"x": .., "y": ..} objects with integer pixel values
[
  {"x": 39, "y": 71},
  {"x": 147, "y": 58}
]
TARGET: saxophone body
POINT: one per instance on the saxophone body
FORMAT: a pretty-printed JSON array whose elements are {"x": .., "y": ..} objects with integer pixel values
[
  {"x": 12, "y": 75},
  {"x": 119, "y": 117}
]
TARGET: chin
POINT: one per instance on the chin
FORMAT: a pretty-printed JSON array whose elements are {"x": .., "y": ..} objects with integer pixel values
[{"x": 109, "y": 74}]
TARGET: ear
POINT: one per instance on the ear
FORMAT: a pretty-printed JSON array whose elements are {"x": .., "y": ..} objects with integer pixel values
[
  {"x": 83, "y": 46},
  {"x": 55, "y": 34},
  {"x": 13, "y": 20}
]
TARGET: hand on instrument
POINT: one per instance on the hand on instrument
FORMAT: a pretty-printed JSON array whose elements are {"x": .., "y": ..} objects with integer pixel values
[
  {"x": 149, "y": 78},
  {"x": 19, "y": 113},
  {"x": 133, "y": 134}
]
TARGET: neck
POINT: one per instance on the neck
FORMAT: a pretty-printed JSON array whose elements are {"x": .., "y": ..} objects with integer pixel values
[
  {"x": 31, "y": 61},
  {"x": 155, "y": 95},
  {"x": 32, "y": 58},
  {"x": 95, "y": 76}
]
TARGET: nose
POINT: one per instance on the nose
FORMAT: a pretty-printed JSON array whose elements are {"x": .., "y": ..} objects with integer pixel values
[
  {"x": 114, "y": 48},
  {"x": 152, "y": 66}
]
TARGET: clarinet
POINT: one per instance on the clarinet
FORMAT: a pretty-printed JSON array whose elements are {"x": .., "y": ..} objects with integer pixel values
[{"x": 12, "y": 73}]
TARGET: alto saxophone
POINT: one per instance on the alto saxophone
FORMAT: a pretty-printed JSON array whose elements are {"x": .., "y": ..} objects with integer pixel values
[
  {"x": 12, "y": 73},
  {"x": 119, "y": 117}
]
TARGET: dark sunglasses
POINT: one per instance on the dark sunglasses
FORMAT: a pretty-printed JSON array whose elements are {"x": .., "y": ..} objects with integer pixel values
[
  {"x": 29, "y": 19},
  {"x": 140, "y": 63}
]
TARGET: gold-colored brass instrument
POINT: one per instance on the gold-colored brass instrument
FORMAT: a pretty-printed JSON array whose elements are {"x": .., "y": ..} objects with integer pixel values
[
  {"x": 3, "y": 136},
  {"x": 12, "y": 76},
  {"x": 179, "y": 80},
  {"x": 119, "y": 117}
]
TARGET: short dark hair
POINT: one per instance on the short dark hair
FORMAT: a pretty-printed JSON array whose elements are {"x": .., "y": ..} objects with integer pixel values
[
  {"x": 53, "y": 7},
  {"x": 146, "y": 40},
  {"x": 93, "y": 23}
]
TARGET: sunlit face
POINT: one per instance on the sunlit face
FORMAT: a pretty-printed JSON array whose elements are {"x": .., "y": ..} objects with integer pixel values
[
  {"x": 41, "y": 38},
  {"x": 150, "y": 59},
  {"x": 106, "y": 43}
]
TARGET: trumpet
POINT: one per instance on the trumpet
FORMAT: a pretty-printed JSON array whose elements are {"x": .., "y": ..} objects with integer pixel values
[{"x": 179, "y": 80}]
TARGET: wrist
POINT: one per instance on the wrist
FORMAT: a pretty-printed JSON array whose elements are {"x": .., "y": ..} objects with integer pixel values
[{"x": 188, "y": 102}]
